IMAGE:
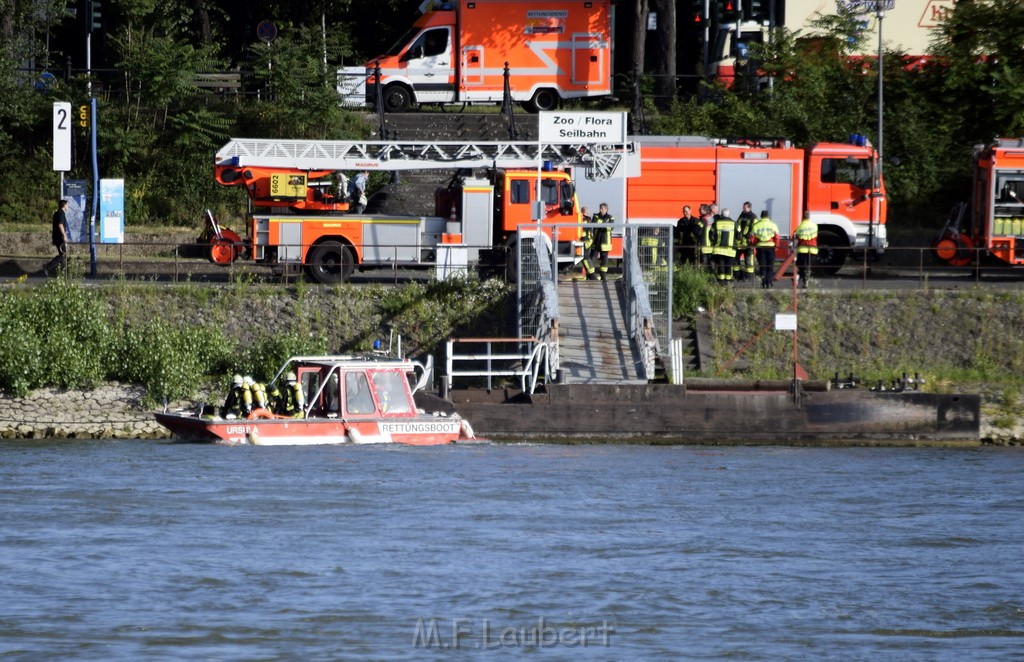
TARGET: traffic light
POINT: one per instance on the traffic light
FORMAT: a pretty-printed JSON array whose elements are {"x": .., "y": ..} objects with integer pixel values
[
  {"x": 729, "y": 11},
  {"x": 92, "y": 14}
]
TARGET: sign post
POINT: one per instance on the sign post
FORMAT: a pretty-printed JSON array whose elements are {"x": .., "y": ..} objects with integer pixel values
[
  {"x": 581, "y": 128},
  {"x": 61, "y": 140}
]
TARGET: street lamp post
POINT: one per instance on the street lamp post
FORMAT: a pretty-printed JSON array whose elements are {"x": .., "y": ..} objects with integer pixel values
[{"x": 880, "y": 8}]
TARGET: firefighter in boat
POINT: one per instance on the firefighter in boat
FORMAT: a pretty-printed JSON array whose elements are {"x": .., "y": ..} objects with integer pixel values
[
  {"x": 239, "y": 400},
  {"x": 293, "y": 401}
]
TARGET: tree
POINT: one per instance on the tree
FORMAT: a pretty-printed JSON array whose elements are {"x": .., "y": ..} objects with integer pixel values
[
  {"x": 981, "y": 48},
  {"x": 665, "y": 53}
]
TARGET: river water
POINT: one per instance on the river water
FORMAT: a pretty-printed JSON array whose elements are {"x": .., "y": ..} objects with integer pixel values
[{"x": 151, "y": 550}]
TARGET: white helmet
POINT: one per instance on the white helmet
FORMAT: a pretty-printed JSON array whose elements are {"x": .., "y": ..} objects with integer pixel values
[
  {"x": 290, "y": 377},
  {"x": 236, "y": 380},
  {"x": 247, "y": 381}
]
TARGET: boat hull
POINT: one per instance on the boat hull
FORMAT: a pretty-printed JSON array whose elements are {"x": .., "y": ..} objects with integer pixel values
[{"x": 418, "y": 431}]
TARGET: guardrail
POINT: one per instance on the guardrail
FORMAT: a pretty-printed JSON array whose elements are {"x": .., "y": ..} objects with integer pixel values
[
  {"x": 528, "y": 360},
  {"x": 907, "y": 267},
  {"x": 641, "y": 318}
]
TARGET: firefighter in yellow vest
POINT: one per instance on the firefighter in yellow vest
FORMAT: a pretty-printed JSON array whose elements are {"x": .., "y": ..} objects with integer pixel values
[
  {"x": 602, "y": 242},
  {"x": 588, "y": 243},
  {"x": 744, "y": 252},
  {"x": 653, "y": 248},
  {"x": 259, "y": 394},
  {"x": 723, "y": 234},
  {"x": 294, "y": 400},
  {"x": 806, "y": 247},
  {"x": 706, "y": 245},
  {"x": 764, "y": 237},
  {"x": 235, "y": 402}
]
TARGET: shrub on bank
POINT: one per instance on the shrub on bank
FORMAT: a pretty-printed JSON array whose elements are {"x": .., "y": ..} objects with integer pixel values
[{"x": 173, "y": 342}]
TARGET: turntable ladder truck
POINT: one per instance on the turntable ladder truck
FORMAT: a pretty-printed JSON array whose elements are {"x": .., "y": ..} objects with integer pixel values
[{"x": 298, "y": 219}]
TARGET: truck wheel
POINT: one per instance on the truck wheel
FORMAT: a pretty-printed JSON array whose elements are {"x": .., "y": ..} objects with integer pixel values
[
  {"x": 832, "y": 252},
  {"x": 330, "y": 262},
  {"x": 544, "y": 99},
  {"x": 397, "y": 98}
]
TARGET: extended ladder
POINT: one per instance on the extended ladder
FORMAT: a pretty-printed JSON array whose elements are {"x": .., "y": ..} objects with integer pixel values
[{"x": 602, "y": 160}]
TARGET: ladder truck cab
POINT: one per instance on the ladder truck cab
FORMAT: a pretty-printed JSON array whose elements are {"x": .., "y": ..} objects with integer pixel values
[
  {"x": 993, "y": 221},
  {"x": 838, "y": 183},
  {"x": 298, "y": 220}
]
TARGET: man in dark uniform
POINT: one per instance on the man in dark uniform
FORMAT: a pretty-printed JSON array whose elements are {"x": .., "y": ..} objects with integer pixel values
[
  {"x": 686, "y": 239},
  {"x": 59, "y": 238}
]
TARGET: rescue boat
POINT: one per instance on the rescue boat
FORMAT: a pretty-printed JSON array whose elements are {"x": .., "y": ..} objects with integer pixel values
[{"x": 361, "y": 400}]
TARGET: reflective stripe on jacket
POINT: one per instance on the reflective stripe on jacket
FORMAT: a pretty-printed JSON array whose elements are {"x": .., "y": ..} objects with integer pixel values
[{"x": 725, "y": 229}]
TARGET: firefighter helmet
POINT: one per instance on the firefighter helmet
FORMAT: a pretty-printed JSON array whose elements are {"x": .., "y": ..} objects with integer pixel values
[
  {"x": 237, "y": 380},
  {"x": 290, "y": 378}
]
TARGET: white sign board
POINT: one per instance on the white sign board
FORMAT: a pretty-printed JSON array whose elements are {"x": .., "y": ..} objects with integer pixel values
[
  {"x": 61, "y": 136},
  {"x": 570, "y": 128},
  {"x": 785, "y": 322}
]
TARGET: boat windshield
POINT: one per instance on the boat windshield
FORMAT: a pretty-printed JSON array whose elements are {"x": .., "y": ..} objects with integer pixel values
[
  {"x": 357, "y": 394},
  {"x": 391, "y": 392}
]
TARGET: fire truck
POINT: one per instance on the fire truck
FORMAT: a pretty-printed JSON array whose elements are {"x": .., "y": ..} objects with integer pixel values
[
  {"x": 993, "y": 221},
  {"x": 299, "y": 219},
  {"x": 838, "y": 183},
  {"x": 458, "y": 50}
]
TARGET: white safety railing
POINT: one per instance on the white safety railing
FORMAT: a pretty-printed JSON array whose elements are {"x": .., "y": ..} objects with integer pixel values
[{"x": 527, "y": 359}]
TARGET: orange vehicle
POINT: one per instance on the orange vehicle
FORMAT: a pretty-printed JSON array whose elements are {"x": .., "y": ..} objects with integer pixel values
[
  {"x": 299, "y": 220},
  {"x": 993, "y": 221},
  {"x": 836, "y": 182},
  {"x": 458, "y": 50}
]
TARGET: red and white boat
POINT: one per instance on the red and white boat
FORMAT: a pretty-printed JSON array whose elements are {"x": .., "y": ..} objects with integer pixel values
[{"x": 348, "y": 400}]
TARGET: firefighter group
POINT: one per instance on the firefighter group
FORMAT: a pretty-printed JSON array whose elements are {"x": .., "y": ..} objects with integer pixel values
[
  {"x": 248, "y": 398},
  {"x": 734, "y": 249}
]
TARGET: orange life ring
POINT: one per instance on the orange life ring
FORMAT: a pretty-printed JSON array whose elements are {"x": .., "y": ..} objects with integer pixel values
[{"x": 261, "y": 413}]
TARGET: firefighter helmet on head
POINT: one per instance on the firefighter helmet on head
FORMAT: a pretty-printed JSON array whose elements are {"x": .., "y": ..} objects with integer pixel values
[
  {"x": 290, "y": 377},
  {"x": 247, "y": 381},
  {"x": 236, "y": 380}
]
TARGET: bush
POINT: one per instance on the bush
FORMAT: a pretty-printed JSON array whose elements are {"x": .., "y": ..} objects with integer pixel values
[
  {"x": 170, "y": 361},
  {"x": 692, "y": 287},
  {"x": 54, "y": 335}
]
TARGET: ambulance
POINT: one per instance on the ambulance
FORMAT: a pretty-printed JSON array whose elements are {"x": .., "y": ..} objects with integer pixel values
[{"x": 458, "y": 52}]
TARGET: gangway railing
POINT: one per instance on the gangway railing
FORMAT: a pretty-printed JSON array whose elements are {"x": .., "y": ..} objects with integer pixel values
[
  {"x": 525, "y": 359},
  {"x": 642, "y": 326},
  {"x": 537, "y": 301}
]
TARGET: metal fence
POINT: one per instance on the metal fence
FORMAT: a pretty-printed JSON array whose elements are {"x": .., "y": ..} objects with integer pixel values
[{"x": 905, "y": 267}]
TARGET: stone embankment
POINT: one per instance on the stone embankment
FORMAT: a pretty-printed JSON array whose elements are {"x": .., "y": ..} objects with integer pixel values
[{"x": 112, "y": 411}]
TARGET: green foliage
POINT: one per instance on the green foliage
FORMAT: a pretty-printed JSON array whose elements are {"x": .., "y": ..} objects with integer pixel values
[
  {"x": 692, "y": 288},
  {"x": 54, "y": 335},
  {"x": 169, "y": 360},
  {"x": 431, "y": 312},
  {"x": 268, "y": 353}
]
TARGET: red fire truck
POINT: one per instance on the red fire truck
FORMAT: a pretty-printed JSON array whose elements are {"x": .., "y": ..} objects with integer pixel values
[
  {"x": 993, "y": 221},
  {"x": 298, "y": 218}
]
